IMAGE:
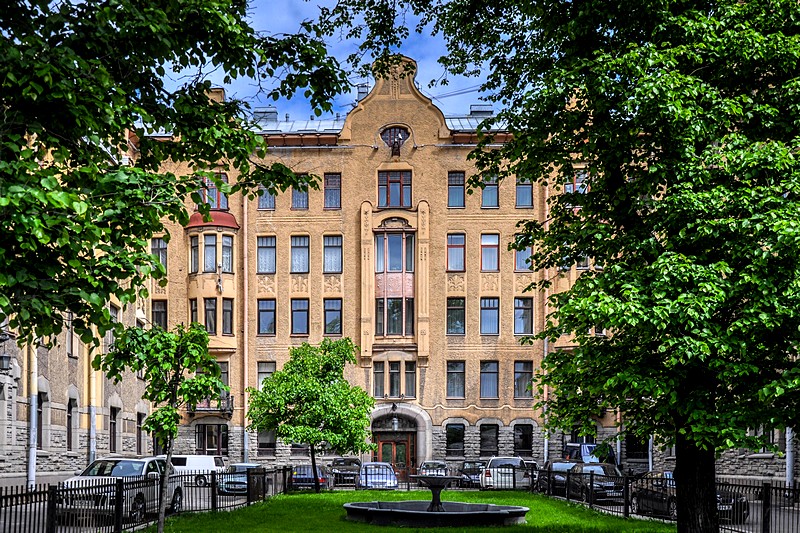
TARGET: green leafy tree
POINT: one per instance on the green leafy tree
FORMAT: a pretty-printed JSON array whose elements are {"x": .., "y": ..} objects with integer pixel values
[
  {"x": 178, "y": 371},
  {"x": 82, "y": 84},
  {"x": 684, "y": 118},
  {"x": 309, "y": 401}
]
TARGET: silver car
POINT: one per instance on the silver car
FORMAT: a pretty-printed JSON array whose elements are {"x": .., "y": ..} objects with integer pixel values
[
  {"x": 93, "y": 492},
  {"x": 505, "y": 473}
]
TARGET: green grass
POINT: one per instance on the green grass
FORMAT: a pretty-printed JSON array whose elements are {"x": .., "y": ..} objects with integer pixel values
[{"x": 304, "y": 512}]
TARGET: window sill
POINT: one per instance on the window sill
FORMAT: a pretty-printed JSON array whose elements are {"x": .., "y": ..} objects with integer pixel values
[
  {"x": 490, "y": 207},
  {"x": 265, "y": 334},
  {"x": 455, "y": 334},
  {"x": 456, "y": 207},
  {"x": 265, "y": 209},
  {"x": 460, "y": 398},
  {"x": 495, "y": 271},
  {"x": 764, "y": 455},
  {"x": 523, "y": 206},
  {"x": 333, "y": 335},
  {"x": 333, "y": 272},
  {"x": 522, "y": 334},
  {"x": 332, "y": 208},
  {"x": 490, "y": 334},
  {"x": 523, "y": 398},
  {"x": 455, "y": 271},
  {"x": 298, "y": 334},
  {"x": 304, "y": 272},
  {"x": 266, "y": 273}
]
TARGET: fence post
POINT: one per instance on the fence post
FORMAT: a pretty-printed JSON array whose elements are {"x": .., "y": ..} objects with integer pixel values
[
  {"x": 766, "y": 507},
  {"x": 591, "y": 490},
  {"x": 550, "y": 480},
  {"x": 52, "y": 496},
  {"x": 213, "y": 491},
  {"x": 626, "y": 497},
  {"x": 567, "y": 483},
  {"x": 119, "y": 495}
]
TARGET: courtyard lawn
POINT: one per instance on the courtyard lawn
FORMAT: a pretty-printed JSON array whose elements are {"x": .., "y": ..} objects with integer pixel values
[{"x": 308, "y": 512}]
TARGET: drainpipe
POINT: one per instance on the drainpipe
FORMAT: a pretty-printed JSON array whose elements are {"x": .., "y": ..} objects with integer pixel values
[
  {"x": 789, "y": 457},
  {"x": 92, "y": 404},
  {"x": 245, "y": 330},
  {"x": 544, "y": 416},
  {"x": 650, "y": 454},
  {"x": 619, "y": 442},
  {"x": 33, "y": 395}
]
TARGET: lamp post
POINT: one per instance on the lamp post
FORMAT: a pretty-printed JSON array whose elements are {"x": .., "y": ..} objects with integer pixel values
[
  {"x": 5, "y": 359},
  {"x": 395, "y": 421}
]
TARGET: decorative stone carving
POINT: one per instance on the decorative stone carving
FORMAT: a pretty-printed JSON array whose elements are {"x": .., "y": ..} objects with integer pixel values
[
  {"x": 523, "y": 280},
  {"x": 158, "y": 289},
  {"x": 266, "y": 284},
  {"x": 333, "y": 284},
  {"x": 490, "y": 282},
  {"x": 299, "y": 284},
  {"x": 455, "y": 283}
]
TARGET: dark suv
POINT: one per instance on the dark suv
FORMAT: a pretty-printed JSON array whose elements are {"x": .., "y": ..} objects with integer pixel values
[
  {"x": 595, "y": 482},
  {"x": 345, "y": 469},
  {"x": 552, "y": 478}
]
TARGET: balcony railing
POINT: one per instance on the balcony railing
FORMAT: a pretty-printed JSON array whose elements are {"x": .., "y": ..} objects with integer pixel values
[{"x": 223, "y": 405}]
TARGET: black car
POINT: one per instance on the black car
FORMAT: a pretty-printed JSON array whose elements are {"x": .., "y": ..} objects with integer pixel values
[
  {"x": 654, "y": 494},
  {"x": 302, "y": 478},
  {"x": 552, "y": 479},
  {"x": 595, "y": 482},
  {"x": 471, "y": 473},
  {"x": 345, "y": 469}
]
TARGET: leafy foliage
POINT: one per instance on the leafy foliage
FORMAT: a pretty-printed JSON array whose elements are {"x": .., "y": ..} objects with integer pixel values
[
  {"x": 84, "y": 83},
  {"x": 309, "y": 400}
]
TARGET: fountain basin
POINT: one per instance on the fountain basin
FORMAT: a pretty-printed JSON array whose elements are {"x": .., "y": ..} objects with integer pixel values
[{"x": 415, "y": 513}]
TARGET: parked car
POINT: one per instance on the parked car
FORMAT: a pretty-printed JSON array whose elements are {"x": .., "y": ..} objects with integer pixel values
[
  {"x": 302, "y": 478},
  {"x": 433, "y": 468},
  {"x": 374, "y": 475},
  {"x": 505, "y": 473},
  {"x": 654, "y": 494},
  {"x": 345, "y": 469},
  {"x": 588, "y": 452},
  {"x": 471, "y": 473},
  {"x": 200, "y": 465},
  {"x": 595, "y": 482},
  {"x": 553, "y": 477},
  {"x": 234, "y": 479},
  {"x": 92, "y": 492}
]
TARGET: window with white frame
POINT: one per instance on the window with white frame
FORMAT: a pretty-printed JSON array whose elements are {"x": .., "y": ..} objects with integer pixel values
[
  {"x": 490, "y": 197},
  {"x": 194, "y": 254},
  {"x": 265, "y": 370},
  {"x": 266, "y": 200},
  {"x": 490, "y": 252},
  {"x": 209, "y": 253},
  {"x": 333, "y": 191},
  {"x": 299, "y": 199},
  {"x": 227, "y": 254},
  {"x": 299, "y": 254},
  {"x": 265, "y": 251},
  {"x": 332, "y": 254}
]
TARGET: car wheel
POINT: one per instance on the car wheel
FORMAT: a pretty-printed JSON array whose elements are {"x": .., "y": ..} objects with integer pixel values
[
  {"x": 201, "y": 480},
  {"x": 634, "y": 504},
  {"x": 672, "y": 509},
  {"x": 138, "y": 508},
  {"x": 177, "y": 502}
]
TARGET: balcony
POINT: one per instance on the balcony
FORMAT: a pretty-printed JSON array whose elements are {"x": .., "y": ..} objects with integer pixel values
[{"x": 222, "y": 406}]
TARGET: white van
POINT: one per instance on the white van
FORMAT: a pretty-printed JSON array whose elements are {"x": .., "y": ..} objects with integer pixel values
[{"x": 202, "y": 465}]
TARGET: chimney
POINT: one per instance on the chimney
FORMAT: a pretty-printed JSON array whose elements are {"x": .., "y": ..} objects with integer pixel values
[
  {"x": 363, "y": 91},
  {"x": 265, "y": 114},
  {"x": 481, "y": 110}
]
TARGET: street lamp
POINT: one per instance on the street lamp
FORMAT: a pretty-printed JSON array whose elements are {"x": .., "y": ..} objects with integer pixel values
[
  {"x": 395, "y": 421},
  {"x": 5, "y": 359}
]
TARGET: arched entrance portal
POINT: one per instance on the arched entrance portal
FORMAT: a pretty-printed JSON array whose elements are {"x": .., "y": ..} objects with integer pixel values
[{"x": 402, "y": 434}]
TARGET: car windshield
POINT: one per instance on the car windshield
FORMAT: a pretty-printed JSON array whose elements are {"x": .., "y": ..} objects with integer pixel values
[
  {"x": 376, "y": 469},
  {"x": 561, "y": 467},
  {"x": 114, "y": 468},
  {"x": 345, "y": 462},
  {"x": 497, "y": 463},
  {"x": 473, "y": 466},
  {"x": 603, "y": 470},
  {"x": 433, "y": 465}
]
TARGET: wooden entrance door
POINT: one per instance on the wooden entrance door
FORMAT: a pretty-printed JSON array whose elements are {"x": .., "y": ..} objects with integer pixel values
[{"x": 397, "y": 450}]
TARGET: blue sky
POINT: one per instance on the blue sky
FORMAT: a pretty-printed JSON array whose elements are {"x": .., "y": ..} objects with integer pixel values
[{"x": 284, "y": 16}]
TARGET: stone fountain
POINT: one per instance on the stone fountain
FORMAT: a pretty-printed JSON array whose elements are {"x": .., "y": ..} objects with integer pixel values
[{"x": 416, "y": 513}]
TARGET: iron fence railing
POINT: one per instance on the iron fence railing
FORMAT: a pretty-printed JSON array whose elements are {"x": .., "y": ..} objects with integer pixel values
[{"x": 123, "y": 504}]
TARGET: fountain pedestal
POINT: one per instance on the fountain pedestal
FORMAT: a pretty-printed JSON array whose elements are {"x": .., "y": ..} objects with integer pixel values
[{"x": 436, "y": 484}]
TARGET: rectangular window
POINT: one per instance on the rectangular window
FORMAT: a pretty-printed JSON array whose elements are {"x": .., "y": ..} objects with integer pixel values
[
  {"x": 211, "y": 439},
  {"x": 299, "y": 255},
  {"x": 332, "y": 254},
  {"x": 456, "y": 252},
  {"x": 158, "y": 248},
  {"x": 456, "y": 319},
  {"x": 112, "y": 430},
  {"x": 159, "y": 308},
  {"x": 489, "y": 439},
  {"x": 455, "y": 189},
  {"x": 411, "y": 379},
  {"x": 215, "y": 198},
  {"x": 490, "y": 253},
  {"x": 522, "y": 259},
  {"x": 394, "y": 189},
  {"x": 379, "y": 253},
  {"x": 209, "y": 253},
  {"x": 455, "y": 440},
  {"x": 455, "y": 379},
  {"x": 140, "y": 433},
  {"x": 70, "y": 416},
  {"x": 227, "y": 316},
  {"x": 210, "y": 306},
  {"x": 266, "y": 199},
  {"x": 266, "y": 443},
  {"x": 333, "y": 191},
  {"x": 490, "y": 316},
  {"x": 409, "y": 252},
  {"x": 394, "y": 379},
  {"x": 265, "y": 370},
  {"x": 489, "y": 198},
  {"x": 266, "y": 255},
  {"x": 192, "y": 310},
  {"x": 635, "y": 448},
  {"x": 394, "y": 242},
  {"x": 266, "y": 317},
  {"x": 227, "y": 254},
  {"x": 582, "y": 264},
  {"x": 394, "y": 252},
  {"x": 379, "y": 307},
  {"x": 299, "y": 199},
  {"x": 577, "y": 184},
  {"x": 523, "y": 376},
  {"x": 299, "y": 316},
  {"x": 194, "y": 254},
  {"x": 489, "y": 381},
  {"x": 409, "y": 316},
  {"x": 333, "y": 316},
  {"x": 394, "y": 316},
  {"x": 70, "y": 336},
  {"x": 377, "y": 377},
  {"x": 524, "y": 193},
  {"x": 523, "y": 440},
  {"x": 523, "y": 316}
]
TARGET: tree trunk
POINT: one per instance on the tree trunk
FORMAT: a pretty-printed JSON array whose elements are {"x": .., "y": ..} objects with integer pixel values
[
  {"x": 696, "y": 487},
  {"x": 314, "y": 468},
  {"x": 164, "y": 481}
]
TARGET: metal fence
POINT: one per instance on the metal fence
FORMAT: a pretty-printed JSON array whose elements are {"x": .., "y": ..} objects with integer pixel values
[{"x": 124, "y": 504}]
